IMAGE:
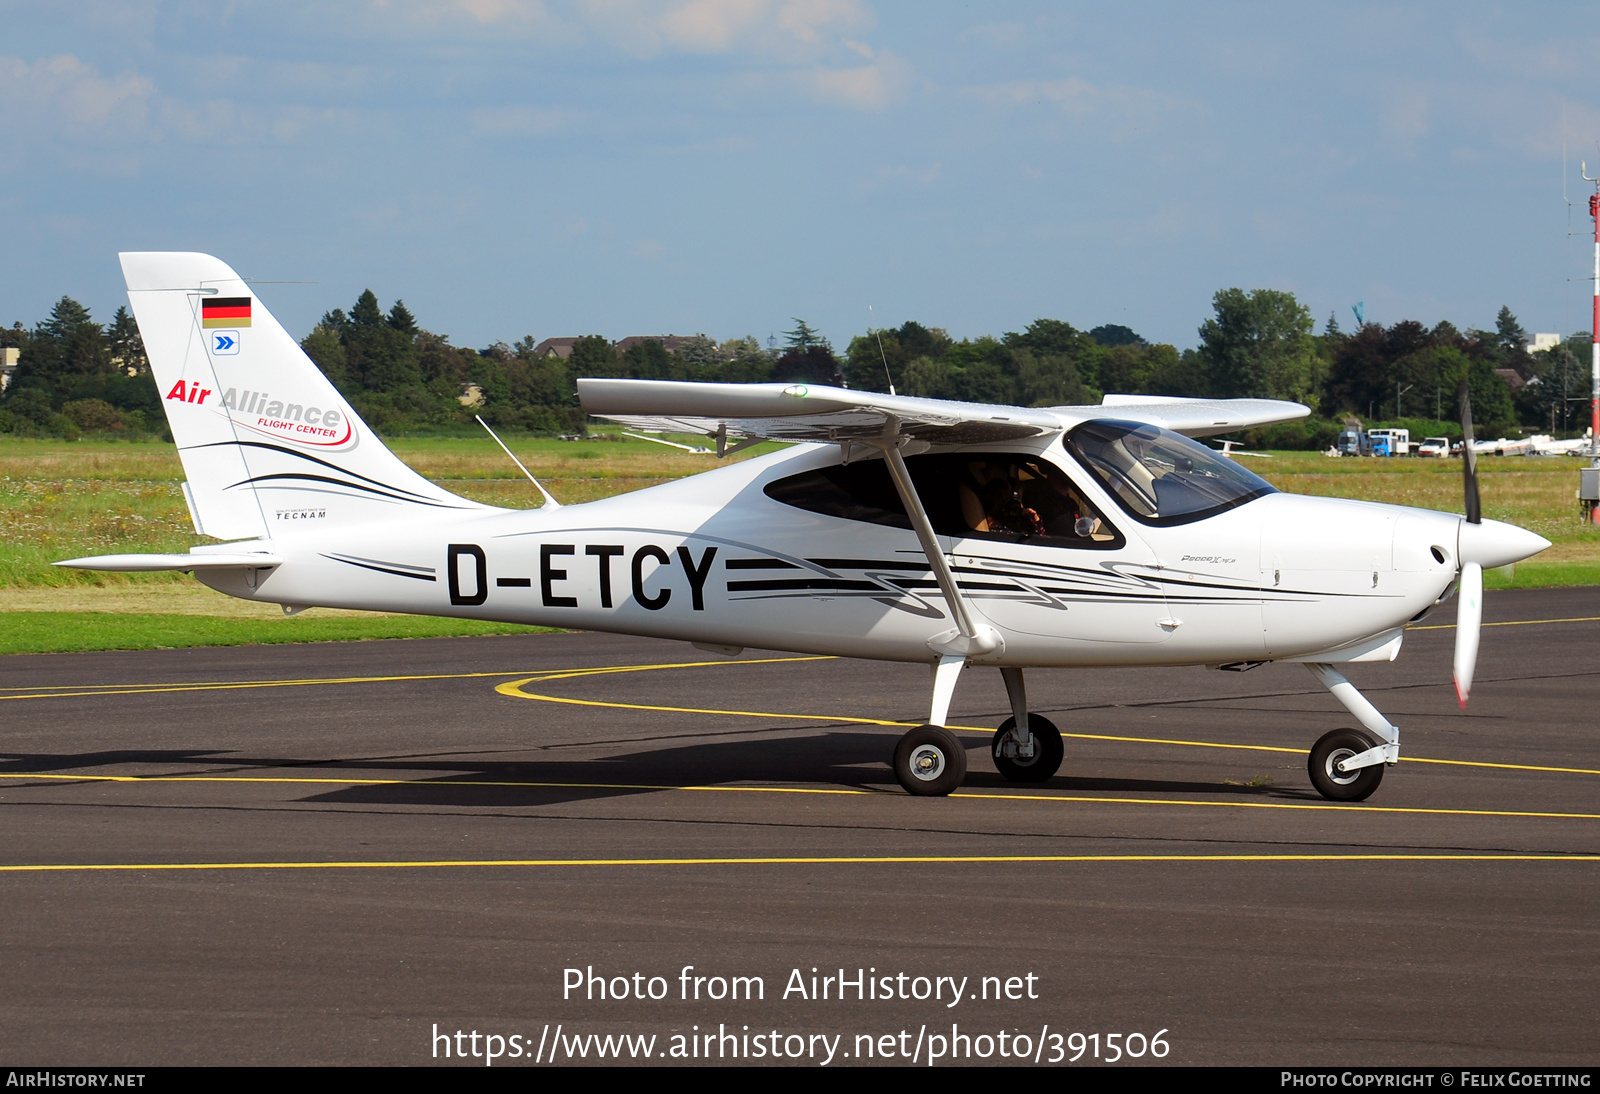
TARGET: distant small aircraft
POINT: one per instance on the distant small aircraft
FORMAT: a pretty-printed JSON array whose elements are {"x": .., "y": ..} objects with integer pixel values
[
  {"x": 901, "y": 529},
  {"x": 1503, "y": 446},
  {"x": 1231, "y": 449},
  {"x": 1543, "y": 444}
]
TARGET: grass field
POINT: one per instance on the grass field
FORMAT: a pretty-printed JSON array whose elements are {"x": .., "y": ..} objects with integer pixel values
[
  {"x": 67, "y": 499},
  {"x": 63, "y": 499}
]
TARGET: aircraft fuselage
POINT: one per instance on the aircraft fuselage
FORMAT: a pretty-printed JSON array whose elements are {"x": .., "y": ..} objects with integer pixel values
[{"x": 714, "y": 559}]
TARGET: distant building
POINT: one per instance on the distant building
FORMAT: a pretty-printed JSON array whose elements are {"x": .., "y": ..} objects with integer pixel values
[
  {"x": 562, "y": 347},
  {"x": 1544, "y": 342},
  {"x": 554, "y": 347},
  {"x": 8, "y": 365}
]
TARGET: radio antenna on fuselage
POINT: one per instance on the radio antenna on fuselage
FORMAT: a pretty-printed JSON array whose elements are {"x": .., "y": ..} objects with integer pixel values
[
  {"x": 879, "y": 335},
  {"x": 549, "y": 501}
]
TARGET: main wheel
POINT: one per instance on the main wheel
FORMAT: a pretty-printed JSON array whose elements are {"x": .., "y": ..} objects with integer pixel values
[
  {"x": 1343, "y": 786},
  {"x": 1047, "y": 751},
  {"x": 929, "y": 760}
]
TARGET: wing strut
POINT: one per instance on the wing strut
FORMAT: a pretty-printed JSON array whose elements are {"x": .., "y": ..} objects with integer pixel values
[{"x": 969, "y": 638}]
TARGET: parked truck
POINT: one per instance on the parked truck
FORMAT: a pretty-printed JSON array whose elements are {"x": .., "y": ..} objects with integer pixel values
[{"x": 1394, "y": 442}]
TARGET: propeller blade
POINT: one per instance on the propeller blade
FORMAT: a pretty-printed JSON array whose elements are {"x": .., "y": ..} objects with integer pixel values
[
  {"x": 1469, "y": 617},
  {"x": 1469, "y": 458}
]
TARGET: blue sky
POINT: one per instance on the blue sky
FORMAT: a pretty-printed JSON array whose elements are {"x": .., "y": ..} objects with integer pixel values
[{"x": 516, "y": 167}]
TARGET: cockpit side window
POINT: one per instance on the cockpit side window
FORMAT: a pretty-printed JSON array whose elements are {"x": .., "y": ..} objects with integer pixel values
[
  {"x": 1005, "y": 496},
  {"x": 1161, "y": 477}
]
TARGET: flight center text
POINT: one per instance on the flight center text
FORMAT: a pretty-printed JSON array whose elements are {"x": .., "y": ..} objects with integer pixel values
[
  {"x": 857, "y": 985},
  {"x": 643, "y": 572}
]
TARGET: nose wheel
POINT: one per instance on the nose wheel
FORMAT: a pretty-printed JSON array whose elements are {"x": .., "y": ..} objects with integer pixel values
[
  {"x": 1043, "y": 762},
  {"x": 930, "y": 761},
  {"x": 1343, "y": 786}
]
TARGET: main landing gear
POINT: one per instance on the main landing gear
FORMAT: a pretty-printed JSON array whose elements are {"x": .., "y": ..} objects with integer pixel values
[
  {"x": 1034, "y": 766},
  {"x": 1347, "y": 765},
  {"x": 930, "y": 760},
  {"x": 1027, "y": 747}
]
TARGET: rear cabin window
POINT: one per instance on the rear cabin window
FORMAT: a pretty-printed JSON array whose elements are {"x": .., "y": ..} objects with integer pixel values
[{"x": 1001, "y": 496}]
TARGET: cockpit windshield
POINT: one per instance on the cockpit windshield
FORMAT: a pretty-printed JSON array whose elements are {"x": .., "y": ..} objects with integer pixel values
[{"x": 1161, "y": 477}]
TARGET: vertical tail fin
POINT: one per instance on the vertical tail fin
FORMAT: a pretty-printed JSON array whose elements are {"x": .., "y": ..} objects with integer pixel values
[{"x": 269, "y": 446}]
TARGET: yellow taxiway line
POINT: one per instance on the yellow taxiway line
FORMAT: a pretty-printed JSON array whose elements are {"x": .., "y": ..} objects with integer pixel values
[
  {"x": 1065, "y": 799},
  {"x": 78, "y": 691},
  {"x": 513, "y": 688},
  {"x": 1510, "y": 623},
  {"x": 786, "y": 860}
]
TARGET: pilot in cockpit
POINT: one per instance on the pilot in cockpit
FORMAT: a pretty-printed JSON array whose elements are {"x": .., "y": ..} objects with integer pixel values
[{"x": 1013, "y": 498}]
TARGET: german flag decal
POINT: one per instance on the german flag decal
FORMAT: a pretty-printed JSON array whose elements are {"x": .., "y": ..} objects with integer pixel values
[{"x": 225, "y": 311}]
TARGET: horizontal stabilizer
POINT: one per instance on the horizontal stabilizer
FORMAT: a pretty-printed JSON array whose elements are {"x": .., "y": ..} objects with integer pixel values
[{"x": 130, "y": 564}]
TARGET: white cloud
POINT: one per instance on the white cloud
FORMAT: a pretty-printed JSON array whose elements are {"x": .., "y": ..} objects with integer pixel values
[
  {"x": 1406, "y": 116},
  {"x": 783, "y": 31},
  {"x": 813, "y": 20},
  {"x": 1558, "y": 58},
  {"x": 815, "y": 48},
  {"x": 996, "y": 35},
  {"x": 482, "y": 12},
  {"x": 867, "y": 87},
  {"x": 511, "y": 121},
  {"x": 64, "y": 94},
  {"x": 713, "y": 26},
  {"x": 493, "y": 11},
  {"x": 899, "y": 174},
  {"x": 1125, "y": 105}
]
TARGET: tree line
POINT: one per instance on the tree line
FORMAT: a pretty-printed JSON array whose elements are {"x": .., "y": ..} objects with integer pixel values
[{"x": 77, "y": 376}]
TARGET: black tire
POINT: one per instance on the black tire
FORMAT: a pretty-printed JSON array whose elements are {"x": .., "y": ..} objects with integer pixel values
[
  {"x": 1047, "y": 751},
  {"x": 1338, "y": 745},
  {"x": 930, "y": 761}
]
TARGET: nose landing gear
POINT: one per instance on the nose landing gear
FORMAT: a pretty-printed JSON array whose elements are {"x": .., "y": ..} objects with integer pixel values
[
  {"x": 1347, "y": 765},
  {"x": 1328, "y": 775}
]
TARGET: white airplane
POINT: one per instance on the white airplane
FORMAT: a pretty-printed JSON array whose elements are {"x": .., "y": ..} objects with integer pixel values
[
  {"x": 1504, "y": 446},
  {"x": 1542, "y": 444},
  {"x": 1232, "y": 449},
  {"x": 899, "y": 529}
]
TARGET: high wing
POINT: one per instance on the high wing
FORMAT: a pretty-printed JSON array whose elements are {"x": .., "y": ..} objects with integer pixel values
[
  {"x": 813, "y": 412},
  {"x": 1192, "y": 417},
  {"x": 804, "y": 412}
]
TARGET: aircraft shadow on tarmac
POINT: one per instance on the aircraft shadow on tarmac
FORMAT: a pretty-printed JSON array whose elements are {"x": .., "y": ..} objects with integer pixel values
[{"x": 845, "y": 759}]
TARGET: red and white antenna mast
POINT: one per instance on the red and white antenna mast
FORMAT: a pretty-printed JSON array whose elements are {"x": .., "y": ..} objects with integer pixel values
[{"x": 1594, "y": 397}]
